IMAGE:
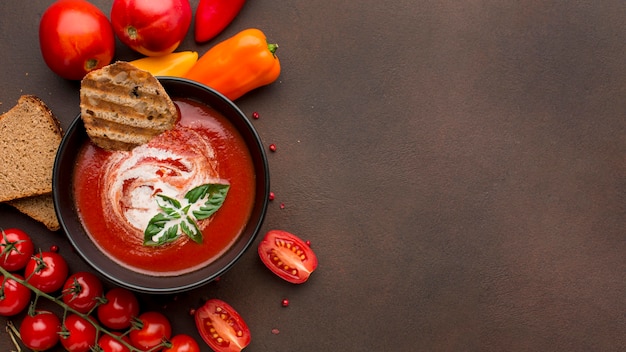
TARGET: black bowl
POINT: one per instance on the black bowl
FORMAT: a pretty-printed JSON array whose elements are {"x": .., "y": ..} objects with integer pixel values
[{"x": 62, "y": 184}]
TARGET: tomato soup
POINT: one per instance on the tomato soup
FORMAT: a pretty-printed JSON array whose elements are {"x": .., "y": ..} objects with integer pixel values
[{"x": 115, "y": 192}]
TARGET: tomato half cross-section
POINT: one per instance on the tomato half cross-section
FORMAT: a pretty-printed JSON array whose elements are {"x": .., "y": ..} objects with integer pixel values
[
  {"x": 221, "y": 327},
  {"x": 287, "y": 256}
]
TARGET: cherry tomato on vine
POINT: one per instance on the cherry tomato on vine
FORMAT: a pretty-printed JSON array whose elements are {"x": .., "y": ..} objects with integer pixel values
[
  {"x": 153, "y": 28},
  {"x": 119, "y": 309},
  {"x": 221, "y": 327},
  {"x": 75, "y": 37},
  {"x": 182, "y": 343},
  {"x": 16, "y": 248},
  {"x": 82, "y": 290},
  {"x": 109, "y": 344},
  {"x": 46, "y": 271},
  {"x": 153, "y": 329},
  {"x": 40, "y": 331},
  {"x": 14, "y": 297},
  {"x": 287, "y": 256},
  {"x": 77, "y": 334}
]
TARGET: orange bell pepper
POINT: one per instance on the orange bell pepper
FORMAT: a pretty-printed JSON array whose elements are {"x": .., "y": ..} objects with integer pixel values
[
  {"x": 174, "y": 64},
  {"x": 238, "y": 65}
]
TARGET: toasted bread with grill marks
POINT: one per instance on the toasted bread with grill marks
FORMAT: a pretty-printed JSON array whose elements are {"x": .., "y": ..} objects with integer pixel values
[{"x": 123, "y": 106}]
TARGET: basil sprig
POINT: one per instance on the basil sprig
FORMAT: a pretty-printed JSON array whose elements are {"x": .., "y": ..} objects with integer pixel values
[{"x": 181, "y": 217}]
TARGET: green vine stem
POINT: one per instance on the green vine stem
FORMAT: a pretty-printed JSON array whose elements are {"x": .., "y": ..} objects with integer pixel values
[{"x": 66, "y": 308}]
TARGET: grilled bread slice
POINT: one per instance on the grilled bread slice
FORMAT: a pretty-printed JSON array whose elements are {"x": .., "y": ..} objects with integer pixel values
[
  {"x": 30, "y": 138},
  {"x": 123, "y": 106}
]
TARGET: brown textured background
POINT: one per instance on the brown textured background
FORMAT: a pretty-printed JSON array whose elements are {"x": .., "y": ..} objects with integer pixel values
[{"x": 459, "y": 166}]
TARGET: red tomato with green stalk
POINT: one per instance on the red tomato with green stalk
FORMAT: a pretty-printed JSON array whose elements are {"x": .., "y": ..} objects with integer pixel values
[
  {"x": 213, "y": 16},
  {"x": 153, "y": 28},
  {"x": 40, "y": 331},
  {"x": 182, "y": 343},
  {"x": 77, "y": 334},
  {"x": 46, "y": 271},
  {"x": 287, "y": 256},
  {"x": 75, "y": 37},
  {"x": 16, "y": 248},
  {"x": 14, "y": 297},
  {"x": 82, "y": 291},
  {"x": 153, "y": 328},
  {"x": 119, "y": 309},
  {"x": 221, "y": 327}
]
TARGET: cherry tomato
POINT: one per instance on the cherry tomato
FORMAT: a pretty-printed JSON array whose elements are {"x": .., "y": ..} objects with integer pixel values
[
  {"x": 75, "y": 37},
  {"x": 182, "y": 343},
  {"x": 213, "y": 16},
  {"x": 109, "y": 344},
  {"x": 16, "y": 248},
  {"x": 82, "y": 290},
  {"x": 221, "y": 327},
  {"x": 119, "y": 310},
  {"x": 40, "y": 331},
  {"x": 14, "y": 297},
  {"x": 153, "y": 28},
  {"x": 77, "y": 334},
  {"x": 46, "y": 271},
  {"x": 287, "y": 256},
  {"x": 153, "y": 330}
]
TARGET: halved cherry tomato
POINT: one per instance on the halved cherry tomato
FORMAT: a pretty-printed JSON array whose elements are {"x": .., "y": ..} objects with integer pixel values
[
  {"x": 46, "y": 271},
  {"x": 16, "y": 248},
  {"x": 287, "y": 256},
  {"x": 82, "y": 290},
  {"x": 14, "y": 297},
  {"x": 40, "y": 331},
  {"x": 182, "y": 343},
  {"x": 77, "y": 334},
  {"x": 154, "y": 328},
  {"x": 221, "y": 327},
  {"x": 119, "y": 309},
  {"x": 75, "y": 37},
  {"x": 108, "y": 344}
]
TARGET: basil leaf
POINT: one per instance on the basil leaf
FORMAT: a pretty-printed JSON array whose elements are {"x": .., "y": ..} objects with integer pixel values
[
  {"x": 174, "y": 202},
  {"x": 213, "y": 198},
  {"x": 190, "y": 228},
  {"x": 155, "y": 226}
]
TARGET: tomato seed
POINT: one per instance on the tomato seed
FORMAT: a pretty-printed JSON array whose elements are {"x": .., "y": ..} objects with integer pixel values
[
  {"x": 282, "y": 205},
  {"x": 275, "y": 331},
  {"x": 54, "y": 248},
  {"x": 272, "y": 196},
  {"x": 273, "y": 147},
  {"x": 255, "y": 115},
  {"x": 308, "y": 243},
  {"x": 285, "y": 302}
]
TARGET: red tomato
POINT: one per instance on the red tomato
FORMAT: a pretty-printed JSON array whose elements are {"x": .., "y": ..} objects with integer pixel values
[
  {"x": 153, "y": 28},
  {"x": 221, "y": 327},
  {"x": 154, "y": 329},
  {"x": 77, "y": 334},
  {"x": 16, "y": 248},
  {"x": 287, "y": 256},
  {"x": 82, "y": 290},
  {"x": 14, "y": 297},
  {"x": 40, "y": 331},
  {"x": 119, "y": 310},
  {"x": 75, "y": 37},
  {"x": 109, "y": 344},
  {"x": 46, "y": 271},
  {"x": 182, "y": 343}
]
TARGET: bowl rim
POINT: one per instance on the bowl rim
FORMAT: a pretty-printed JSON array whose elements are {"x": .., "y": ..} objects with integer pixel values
[{"x": 171, "y": 83}]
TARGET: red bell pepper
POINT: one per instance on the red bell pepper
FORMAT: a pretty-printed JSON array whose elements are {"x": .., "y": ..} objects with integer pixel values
[{"x": 213, "y": 16}]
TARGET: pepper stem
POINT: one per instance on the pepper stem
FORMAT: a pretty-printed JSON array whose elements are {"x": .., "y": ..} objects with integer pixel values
[{"x": 272, "y": 48}]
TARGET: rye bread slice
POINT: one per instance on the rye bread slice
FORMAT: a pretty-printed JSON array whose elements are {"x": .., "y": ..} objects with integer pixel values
[
  {"x": 123, "y": 106},
  {"x": 30, "y": 138},
  {"x": 40, "y": 208}
]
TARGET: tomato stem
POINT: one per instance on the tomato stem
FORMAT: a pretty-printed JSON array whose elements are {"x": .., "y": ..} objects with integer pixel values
[{"x": 13, "y": 333}]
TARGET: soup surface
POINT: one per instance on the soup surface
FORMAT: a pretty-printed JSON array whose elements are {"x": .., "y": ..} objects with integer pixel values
[{"x": 115, "y": 192}]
